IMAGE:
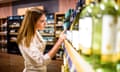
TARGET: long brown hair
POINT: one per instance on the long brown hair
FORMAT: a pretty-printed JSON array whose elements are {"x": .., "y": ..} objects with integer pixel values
[{"x": 27, "y": 30}]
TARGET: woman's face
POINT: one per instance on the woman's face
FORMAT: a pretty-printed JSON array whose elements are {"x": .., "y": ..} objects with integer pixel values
[{"x": 41, "y": 23}]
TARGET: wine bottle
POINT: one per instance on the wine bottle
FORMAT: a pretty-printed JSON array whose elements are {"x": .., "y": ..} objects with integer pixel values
[
  {"x": 109, "y": 9},
  {"x": 68, "y": 16},
  {"x": 96, "y": 35},
  {"x": 118, "y": 41},
  {"x": 108, "y": 59},
  {"x": 85, "y": 30},
  {"x": 79, "y": 7},
  {"x": 74, "y": 28}
]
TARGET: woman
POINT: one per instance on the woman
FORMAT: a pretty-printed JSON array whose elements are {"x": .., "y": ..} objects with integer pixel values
[{"x": 31, "y": 43}]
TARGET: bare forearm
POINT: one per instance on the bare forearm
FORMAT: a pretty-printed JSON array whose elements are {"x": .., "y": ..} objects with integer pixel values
[{"x": 55, "y": 48}]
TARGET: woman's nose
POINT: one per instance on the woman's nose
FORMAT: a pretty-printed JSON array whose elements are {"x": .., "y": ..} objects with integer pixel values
[{"x": 45, "y": 23}]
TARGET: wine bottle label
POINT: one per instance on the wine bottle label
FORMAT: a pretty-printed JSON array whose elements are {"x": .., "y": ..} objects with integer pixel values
[
  {"x": 69, "y": 35},
  {"x": 75, "y": 40},
  {"x": 85, "y": 33},
  {"x": 108, "y": 38}
]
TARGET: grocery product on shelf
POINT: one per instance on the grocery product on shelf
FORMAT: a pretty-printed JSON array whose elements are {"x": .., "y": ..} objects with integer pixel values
[
  {"x": 85, "y": 30},
  {"x": 118, "y": 40},
  {"x": 94, "y": 34}
]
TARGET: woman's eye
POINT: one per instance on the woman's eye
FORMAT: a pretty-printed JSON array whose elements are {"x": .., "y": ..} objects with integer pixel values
[{"x": 42, "y": 21}]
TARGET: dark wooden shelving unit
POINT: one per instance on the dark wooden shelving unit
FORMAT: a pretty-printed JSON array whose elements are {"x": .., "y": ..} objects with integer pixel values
[
  {"x": 58, "y": 26},
  {"x": 14, "y": 23},
  {"x": 3, "y": 34}
]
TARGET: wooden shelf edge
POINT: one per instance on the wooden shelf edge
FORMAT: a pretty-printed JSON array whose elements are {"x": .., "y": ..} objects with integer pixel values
[
  {"x": 13, "y": 33},
  {"x": 62, "y": 68},
  {"x": 3, "y": 33},
  {"x": 50, "y": 25},
  {"x": 14, "y": 26},
  {"x": 47, "y": 34},
  {"x": 80, "y": 64},
  {"x": 13, "y": 40},
  {"x": 3, "y": 42},
  {"x": 48, "y": 43}
]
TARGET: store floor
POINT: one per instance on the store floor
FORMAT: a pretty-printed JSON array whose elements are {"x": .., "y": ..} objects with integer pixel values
[{"x": 14, "y": 63}]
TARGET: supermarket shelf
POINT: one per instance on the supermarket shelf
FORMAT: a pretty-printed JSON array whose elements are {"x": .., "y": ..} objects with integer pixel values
[
  {"x": 50, "y": 25},
  {"x": 13, "y": 33},
  {"x": 80, "y": 64},
  {"x": 57, "y": 35},
  {"x": 3, "y": 26},
  {"x": 47, "y": 34},
  {"x": 12, "y": 26},
  {"x": 59, "y": 25},
  {"x": 3, "y": 41},
  {"x": 3, "y": 33},
  {"x": 50, "y": 43},
  {"x": 13, "y": 40}
]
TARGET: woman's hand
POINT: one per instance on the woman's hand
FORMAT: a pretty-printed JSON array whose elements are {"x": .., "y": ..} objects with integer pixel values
[
  {"x": 62, "y": 35},
  {"x": 56, "y": 47}
]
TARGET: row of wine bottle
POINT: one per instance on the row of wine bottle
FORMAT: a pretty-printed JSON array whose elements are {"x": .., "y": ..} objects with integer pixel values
[{"x": 95, "y": 34}]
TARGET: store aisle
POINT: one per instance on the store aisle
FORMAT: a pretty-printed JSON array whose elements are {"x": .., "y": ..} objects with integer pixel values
[{"x": 14, "y": 63}]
